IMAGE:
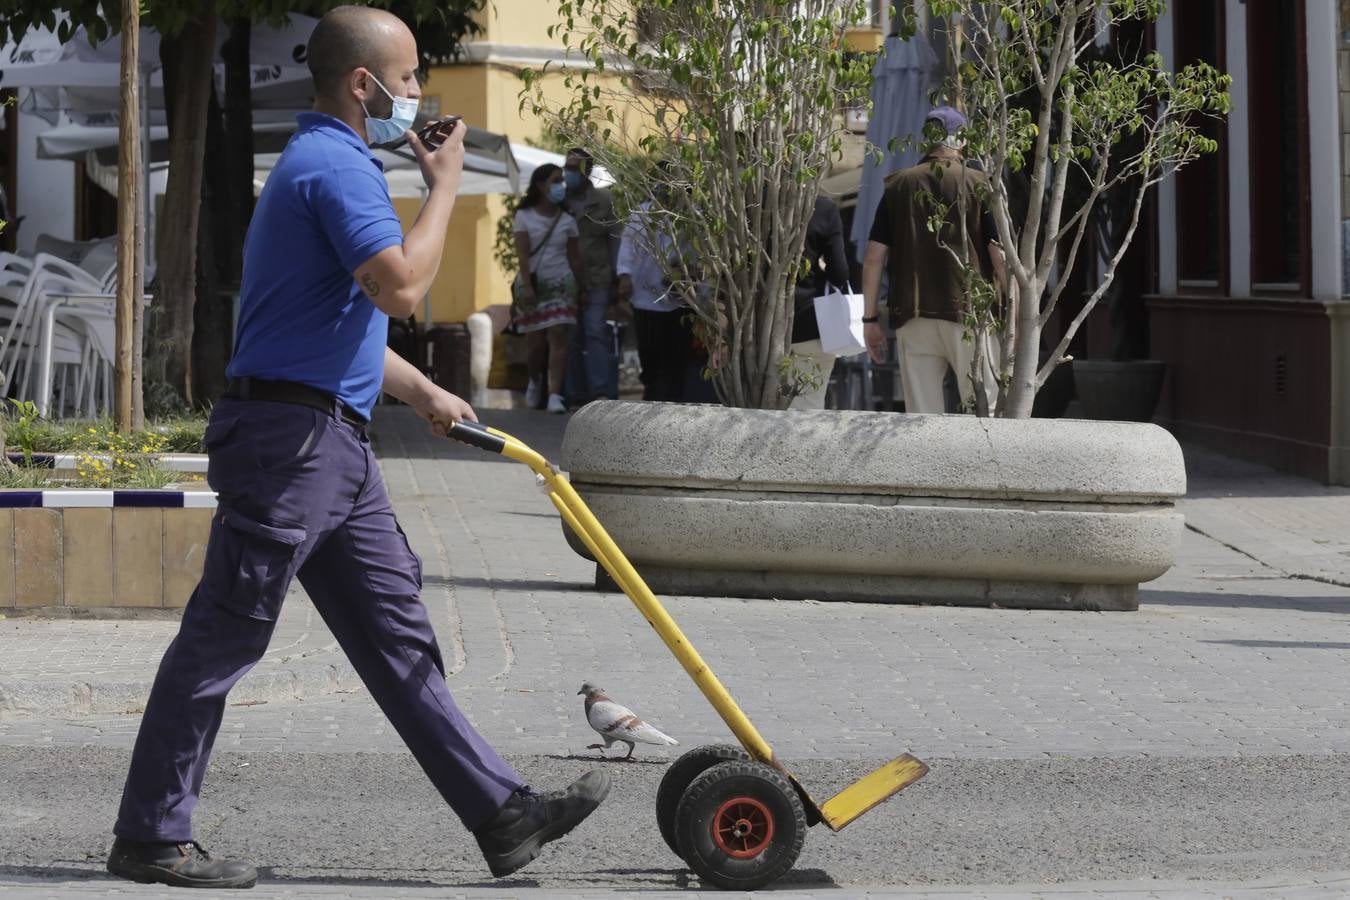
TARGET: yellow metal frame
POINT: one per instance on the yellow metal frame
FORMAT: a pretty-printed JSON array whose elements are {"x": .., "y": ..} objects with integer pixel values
[{"x": 836, "y": 812}]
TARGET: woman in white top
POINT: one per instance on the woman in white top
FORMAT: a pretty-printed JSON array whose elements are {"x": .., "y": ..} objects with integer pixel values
[{"x": 546, "y": 288}]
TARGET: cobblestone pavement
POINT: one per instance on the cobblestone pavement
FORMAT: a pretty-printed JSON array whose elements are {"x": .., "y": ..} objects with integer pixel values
[
  {"x": 1323, "y": 888},
  {"x": 1237, "y": 653},
  {"x": 521, "y": 628}
]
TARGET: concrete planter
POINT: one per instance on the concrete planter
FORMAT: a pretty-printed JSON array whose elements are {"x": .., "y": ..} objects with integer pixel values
[
  {"x": 71, "y": 551},
  {"x": 831, "y": 505}
]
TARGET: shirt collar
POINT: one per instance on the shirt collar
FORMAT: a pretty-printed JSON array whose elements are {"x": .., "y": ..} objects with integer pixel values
[{"x": 335, "y": 127}]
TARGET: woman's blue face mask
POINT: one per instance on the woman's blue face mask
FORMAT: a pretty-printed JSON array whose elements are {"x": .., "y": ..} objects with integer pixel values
[{"x": 557, "y": 192}]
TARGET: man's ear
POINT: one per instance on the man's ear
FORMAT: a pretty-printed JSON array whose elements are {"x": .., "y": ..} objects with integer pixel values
[{"x": 361, "y": 84}]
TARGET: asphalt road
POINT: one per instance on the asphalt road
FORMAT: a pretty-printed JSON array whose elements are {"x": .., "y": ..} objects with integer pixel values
[{"x": 372, "y": 819}]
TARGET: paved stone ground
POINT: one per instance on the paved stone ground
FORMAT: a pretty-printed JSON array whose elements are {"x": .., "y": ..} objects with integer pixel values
[{"x": 1236, "y": 655}]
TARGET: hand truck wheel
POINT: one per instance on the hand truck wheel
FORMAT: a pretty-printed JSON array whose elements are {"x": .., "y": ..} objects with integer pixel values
[
  {"x": 680, "y": 775},
  {"x": 740, "y": 825}
]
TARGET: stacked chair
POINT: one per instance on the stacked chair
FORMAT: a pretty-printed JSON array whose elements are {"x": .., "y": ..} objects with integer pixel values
[{"x": 57, "y": 325}]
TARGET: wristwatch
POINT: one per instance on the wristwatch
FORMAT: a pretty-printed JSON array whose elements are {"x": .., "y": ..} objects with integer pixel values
[{"x": 871, "y": 320}]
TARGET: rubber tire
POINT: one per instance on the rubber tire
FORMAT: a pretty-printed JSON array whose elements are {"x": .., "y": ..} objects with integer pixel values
[
  {"x": 680, "y": 775},
  {"x": 694, "y": 820}
]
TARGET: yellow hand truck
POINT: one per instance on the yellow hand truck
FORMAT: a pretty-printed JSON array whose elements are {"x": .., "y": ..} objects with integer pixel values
[{"x": 736, "y": 815}]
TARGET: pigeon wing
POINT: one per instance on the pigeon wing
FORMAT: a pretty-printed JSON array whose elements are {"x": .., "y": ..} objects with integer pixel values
[{"x": 622, "y": 724}]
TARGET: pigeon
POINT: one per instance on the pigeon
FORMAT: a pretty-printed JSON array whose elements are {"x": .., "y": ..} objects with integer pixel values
[{"x": 617, "y": 723}]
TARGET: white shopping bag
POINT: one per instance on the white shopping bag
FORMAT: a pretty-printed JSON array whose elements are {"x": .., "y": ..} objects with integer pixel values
[{"x": 839, "y": 317}]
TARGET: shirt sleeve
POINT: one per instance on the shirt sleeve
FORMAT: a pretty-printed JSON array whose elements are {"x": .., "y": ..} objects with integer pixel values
[
  {"x": 987, "y": 225},
  {"x": 568, "y": 226},
  {"x": 836, "y": 258},
  {"x": 628, "y": 246},
  {"x": 355, "y": 213},
  {"x": 883, "y": 232}
]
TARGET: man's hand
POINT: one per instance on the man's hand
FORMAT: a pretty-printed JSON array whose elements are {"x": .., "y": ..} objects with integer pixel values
[
  {"x": 875, "y": 338},
  {"x": 441, "y": 408},
  {"x": 443, "y": 165}
]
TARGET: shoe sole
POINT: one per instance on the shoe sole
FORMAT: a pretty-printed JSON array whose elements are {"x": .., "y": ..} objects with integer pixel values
[
  {"x": 145, "y": 874},
  {"x": 529, "y": 849}
]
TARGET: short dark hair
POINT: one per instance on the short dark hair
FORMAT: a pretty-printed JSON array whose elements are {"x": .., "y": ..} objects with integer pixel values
[
  {"x": 587, "y": 161},
  {"x": 345, "y": 38}
]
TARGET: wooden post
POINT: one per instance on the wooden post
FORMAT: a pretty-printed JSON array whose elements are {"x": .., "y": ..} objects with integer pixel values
[{"x": 130, "y": 219}]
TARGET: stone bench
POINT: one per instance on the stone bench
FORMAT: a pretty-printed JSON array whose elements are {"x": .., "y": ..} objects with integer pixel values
[{"x": 836, "y": 505}]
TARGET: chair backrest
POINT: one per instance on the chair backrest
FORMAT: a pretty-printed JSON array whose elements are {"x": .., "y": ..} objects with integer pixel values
[{"x": 96, "y": 257}]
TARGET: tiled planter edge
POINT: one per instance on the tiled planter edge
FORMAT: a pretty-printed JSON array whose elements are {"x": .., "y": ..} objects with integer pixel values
[{"x": 91, "y": 550}]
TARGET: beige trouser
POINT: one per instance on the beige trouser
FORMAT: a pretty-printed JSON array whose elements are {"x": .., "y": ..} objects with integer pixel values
[
  {"x": 810, "y": 351},
  {"x": 926, "y": 348}
]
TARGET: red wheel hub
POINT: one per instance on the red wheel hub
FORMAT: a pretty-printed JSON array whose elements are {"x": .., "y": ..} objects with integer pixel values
[{"x": 742, "y": 827}]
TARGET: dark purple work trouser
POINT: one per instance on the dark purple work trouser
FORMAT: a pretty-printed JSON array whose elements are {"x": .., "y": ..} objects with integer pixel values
[{"x": 300, "y": 494}]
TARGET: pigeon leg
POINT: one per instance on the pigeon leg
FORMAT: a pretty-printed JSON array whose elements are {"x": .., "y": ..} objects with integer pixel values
[
  {"x": 631, "y": 747},
  {"x": 600, "y": 747}
]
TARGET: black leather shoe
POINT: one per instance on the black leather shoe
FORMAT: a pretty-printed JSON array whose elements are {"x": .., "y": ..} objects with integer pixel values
[
  {"x": 178, "y": 865},
  {"x": 528, "y": 820}
]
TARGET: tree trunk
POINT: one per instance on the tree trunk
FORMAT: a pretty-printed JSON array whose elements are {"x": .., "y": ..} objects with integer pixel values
[
  {"x": 187, "y": 60},
  {"x": 130, "y": 259},
  {"x": 210, "y": 336},
  {"x": 238, "y": 144}
]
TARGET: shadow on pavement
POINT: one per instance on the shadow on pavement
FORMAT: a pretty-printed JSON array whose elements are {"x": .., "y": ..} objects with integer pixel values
[
  {"x": 521, "y": 585},
  {"x": 1248, "y": 601},
  {"x": 577, "y": 757},
  {"x": 1286, "y": 645}
]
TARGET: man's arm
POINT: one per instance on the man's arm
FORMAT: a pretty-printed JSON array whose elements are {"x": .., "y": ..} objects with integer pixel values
[
  {"x": 574, "y": 261},
  {"x": 397, "y": 278},
  {"x": 874, "y": 262},
  {"x": 435, "y": 404}
]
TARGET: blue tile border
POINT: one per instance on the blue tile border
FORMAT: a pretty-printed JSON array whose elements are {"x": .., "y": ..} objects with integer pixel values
[{"x": 76, "y": 498}]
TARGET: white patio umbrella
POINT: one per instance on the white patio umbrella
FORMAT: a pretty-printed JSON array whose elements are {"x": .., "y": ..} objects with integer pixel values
[
  {"x": 492, "y": 165},
  {"x": 901, "y": 80},
  {"x": 82, "y": 80}
]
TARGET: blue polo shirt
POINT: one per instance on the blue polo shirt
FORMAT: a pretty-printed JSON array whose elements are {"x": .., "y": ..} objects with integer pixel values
[{"x": 324, "y": 211}]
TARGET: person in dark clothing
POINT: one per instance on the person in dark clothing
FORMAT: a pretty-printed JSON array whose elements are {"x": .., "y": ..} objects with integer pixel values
[{"x": 824, "y": 245}]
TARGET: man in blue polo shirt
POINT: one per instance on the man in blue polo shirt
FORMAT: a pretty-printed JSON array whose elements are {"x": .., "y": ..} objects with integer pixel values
[{"x": 300, "y": 494}]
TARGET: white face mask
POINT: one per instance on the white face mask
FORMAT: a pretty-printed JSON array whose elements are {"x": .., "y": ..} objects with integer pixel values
[{"x": 383, "y": 131}]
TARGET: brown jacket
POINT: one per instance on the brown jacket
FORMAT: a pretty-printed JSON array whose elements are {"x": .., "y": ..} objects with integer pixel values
[{"x": 925, "y": 281}]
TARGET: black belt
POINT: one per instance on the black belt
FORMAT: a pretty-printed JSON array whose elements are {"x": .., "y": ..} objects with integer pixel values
[{"x": 291, "y": 392}]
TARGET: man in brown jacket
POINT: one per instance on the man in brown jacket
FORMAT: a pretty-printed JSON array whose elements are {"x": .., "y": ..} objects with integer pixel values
[{"x": 927, "y": 296}]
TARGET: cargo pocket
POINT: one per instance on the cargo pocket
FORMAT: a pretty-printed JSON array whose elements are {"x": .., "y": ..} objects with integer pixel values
[
  {"x": 415, "y": 561},
  {"x": 250, "y": 564}
]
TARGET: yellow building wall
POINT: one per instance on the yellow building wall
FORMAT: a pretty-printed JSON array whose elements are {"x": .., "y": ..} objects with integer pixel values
[{"x": 487, "y": 95}]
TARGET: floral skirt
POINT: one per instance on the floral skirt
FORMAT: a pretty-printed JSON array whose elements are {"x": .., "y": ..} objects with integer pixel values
[{"x": 554, "y": 303}]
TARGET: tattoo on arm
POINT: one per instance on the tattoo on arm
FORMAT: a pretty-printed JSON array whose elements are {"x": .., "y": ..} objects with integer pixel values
[{"x": 371, "y": 286}]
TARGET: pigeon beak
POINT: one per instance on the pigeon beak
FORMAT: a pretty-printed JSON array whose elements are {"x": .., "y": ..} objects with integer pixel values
[{"x": 580, "y": 692}]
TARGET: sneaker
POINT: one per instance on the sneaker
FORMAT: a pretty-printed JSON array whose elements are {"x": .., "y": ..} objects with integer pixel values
[
  {"x": 534, "y": 392},
  {"x": 556, "y": 403},
  {"x": 177, "y": 865},
  {"x": 528, "y": 820}
]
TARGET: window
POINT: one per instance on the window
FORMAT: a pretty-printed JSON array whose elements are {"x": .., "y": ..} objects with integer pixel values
[
  {"x": 1202, "y": 195},
  {"x": 1280, "y": 199}
]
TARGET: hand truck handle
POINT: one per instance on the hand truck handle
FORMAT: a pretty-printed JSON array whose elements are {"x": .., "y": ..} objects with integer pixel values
[{"x": 477, "y": 435}]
